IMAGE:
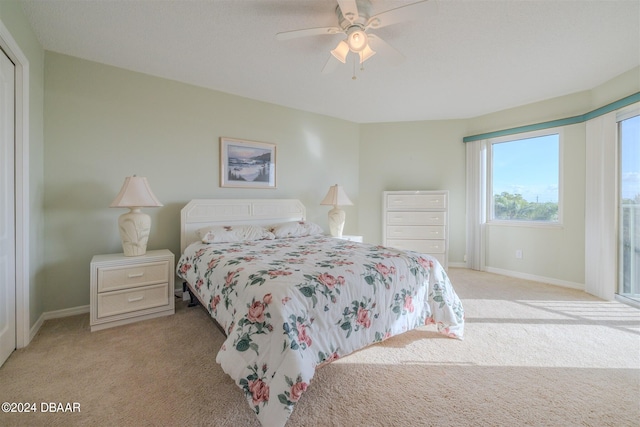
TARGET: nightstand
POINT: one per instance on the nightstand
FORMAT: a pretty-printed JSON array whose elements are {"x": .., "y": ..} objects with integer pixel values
[
  {"x": 351, "y": 238},
  {"x": 126, "y": 289}
]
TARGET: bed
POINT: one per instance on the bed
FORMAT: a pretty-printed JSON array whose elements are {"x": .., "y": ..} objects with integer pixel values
[{"x": 290, "y": 299}]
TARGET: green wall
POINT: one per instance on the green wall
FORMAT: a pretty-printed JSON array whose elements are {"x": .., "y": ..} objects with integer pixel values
[
  {"x": 557, "y": 253},
  {"x": 91, "y": 125},
  {"x": 430, "y": 155},
  {"x": 104, "y": 123},
  {"x": 426, "y": 155}
]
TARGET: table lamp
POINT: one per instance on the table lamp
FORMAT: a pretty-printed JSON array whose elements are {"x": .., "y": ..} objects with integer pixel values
[
  {"x": 134, "y": 225},
  {"x": 336, "y": 197}
]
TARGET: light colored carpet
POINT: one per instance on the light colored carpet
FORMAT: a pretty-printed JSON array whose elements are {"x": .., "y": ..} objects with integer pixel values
[{"x": 533, "y": 355}]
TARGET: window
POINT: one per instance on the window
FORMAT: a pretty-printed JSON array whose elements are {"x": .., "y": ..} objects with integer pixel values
[
  {"x": 524, "y": 178},
  {"x": 629, "y": 206}
]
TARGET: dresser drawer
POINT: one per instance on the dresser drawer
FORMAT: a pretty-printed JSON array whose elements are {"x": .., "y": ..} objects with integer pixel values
[
  {"x": 416, "y": 201},
  {"x": 114, "y": 278},
  {"x": 422, "y": 246},
  {"x": 416, "y": 218},
  {"x": 415, "y": 232},
  {"x": 126, "y": 301}
]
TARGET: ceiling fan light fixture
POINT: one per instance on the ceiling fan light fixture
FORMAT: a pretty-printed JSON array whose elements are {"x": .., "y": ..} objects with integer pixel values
[
  {"x": 357, "y": 39},
  {"x": 366, "y": 53},
  {"x": 341, "y": 51}
]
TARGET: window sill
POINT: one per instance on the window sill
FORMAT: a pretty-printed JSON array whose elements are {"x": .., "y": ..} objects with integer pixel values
[{"x": 531, "y": 224}]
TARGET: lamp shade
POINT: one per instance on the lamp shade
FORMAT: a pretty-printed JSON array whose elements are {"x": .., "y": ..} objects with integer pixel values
[
  {"x": 135, "y": 193},
  {"x": 366, "y": 53},
  {"x": 336, "y": 197},
  {"x": 341, "y": 51}
]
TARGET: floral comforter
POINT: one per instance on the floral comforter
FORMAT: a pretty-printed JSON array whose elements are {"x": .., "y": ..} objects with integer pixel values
[{"x": 291, "y": 305}]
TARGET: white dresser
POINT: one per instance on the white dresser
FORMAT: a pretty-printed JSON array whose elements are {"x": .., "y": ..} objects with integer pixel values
[
  {"x": 417, "y": 221},
  {"x": 127, "y": 289}
]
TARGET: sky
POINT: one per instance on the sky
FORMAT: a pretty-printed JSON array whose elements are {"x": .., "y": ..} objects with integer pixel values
[
  {"x": 529, "y": 167},
  {"x": 630, "y": 158}
]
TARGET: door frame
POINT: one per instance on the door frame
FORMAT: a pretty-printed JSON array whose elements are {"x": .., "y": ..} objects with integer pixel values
[{"x": 21, "y": 171}]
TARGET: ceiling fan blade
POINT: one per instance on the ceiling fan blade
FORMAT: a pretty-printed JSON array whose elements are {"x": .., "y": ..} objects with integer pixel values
[
  {"x": 385, "y": 49},
  {"x": 395, "y": 16},
  {"x": 331, "y": 65},
  {"x": 349, "y": 9},
  {"x": 294, "y": 34}
]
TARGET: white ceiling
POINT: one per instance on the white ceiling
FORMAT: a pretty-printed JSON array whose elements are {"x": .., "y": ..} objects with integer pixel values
[{"x": 464, "y": 58}]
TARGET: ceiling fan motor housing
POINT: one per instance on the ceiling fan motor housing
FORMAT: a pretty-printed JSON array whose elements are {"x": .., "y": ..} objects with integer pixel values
[
  {"x": 355, "y": 26},
  {"x": 364, "y": 13}
]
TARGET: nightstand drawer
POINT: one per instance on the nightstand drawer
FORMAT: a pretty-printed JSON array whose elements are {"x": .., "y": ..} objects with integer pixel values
[
  {"x": 114, "y": 278},
  {"x": 119, "y": 302}
]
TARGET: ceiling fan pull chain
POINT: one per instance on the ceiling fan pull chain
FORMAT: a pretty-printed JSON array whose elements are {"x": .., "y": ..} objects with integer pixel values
[{"x": 354, "y": 69}]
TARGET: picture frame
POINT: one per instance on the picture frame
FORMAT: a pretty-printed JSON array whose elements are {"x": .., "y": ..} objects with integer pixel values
[{"x": 247, "y": 164}]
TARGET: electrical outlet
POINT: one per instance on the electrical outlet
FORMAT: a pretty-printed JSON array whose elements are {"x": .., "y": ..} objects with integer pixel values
[{"x": 518, "y": 253}]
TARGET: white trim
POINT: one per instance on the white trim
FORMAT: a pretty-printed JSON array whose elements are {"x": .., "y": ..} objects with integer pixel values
[
  {"x": 56, "y": 314},
  {"x": 622, "y": 114},
  {"x": 22, "y": 214},
  {"x": 628, "y": 112},
  {"x": 628, "y": 301},
  {"x": 524, "y": 223},
  {"x": 457, "y": 264},
  {"x": 535, "y": 278}
]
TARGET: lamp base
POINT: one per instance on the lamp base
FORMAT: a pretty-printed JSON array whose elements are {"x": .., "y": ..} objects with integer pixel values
[
  {"x": 134, "y": 229},
  {"x": 336, "y": 221}
]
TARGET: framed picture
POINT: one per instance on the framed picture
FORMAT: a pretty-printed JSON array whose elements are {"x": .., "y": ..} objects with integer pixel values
[{"x": 247, "y": 164}]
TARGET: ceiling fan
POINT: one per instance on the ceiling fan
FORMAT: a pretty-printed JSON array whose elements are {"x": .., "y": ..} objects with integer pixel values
[{"x": 355, "y": 20}]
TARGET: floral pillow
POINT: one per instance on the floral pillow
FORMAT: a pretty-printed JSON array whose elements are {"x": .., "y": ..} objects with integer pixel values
[
  {"x": 233, "y": 233},
  {"x": 295, "y": 229}
]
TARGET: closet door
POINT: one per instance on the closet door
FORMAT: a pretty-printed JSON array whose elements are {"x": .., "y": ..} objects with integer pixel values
[{"x": 7, "y": 209}]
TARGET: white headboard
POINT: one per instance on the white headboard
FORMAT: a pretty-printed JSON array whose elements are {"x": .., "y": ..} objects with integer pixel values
[{"x": 199, "y": 213}]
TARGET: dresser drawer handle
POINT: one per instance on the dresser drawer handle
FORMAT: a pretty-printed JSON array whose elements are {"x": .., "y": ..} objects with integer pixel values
[
  {"x": 135, "y": 299},
  {"x": 133, "y": 275}
]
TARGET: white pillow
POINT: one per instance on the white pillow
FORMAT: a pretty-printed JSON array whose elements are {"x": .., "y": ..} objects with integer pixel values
[
  {"x": 233, "y": 233},
  {"x": 295, "y": 229}
]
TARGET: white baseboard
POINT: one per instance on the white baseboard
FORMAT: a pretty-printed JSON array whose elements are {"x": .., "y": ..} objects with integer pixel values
[
  {"x": 56, "y": 314},
  {"x": 533, "y": 277},
  {"x": 73, "y": 311},
  {"x": 458, "y": 264}
]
